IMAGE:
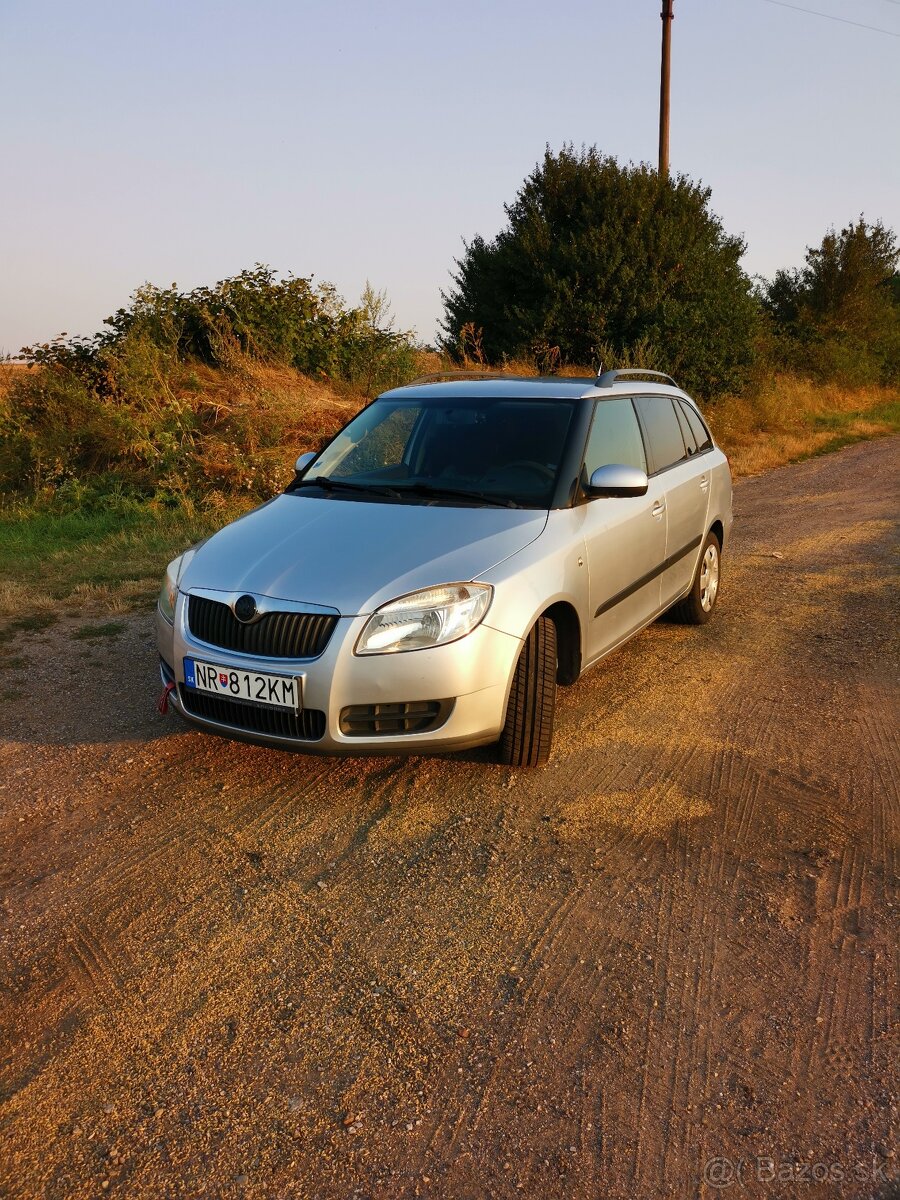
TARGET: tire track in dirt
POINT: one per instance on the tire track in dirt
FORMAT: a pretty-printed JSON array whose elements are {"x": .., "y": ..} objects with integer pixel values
[
  {"x": 732, "y": 792},
  {"x": 670, "y": 1074},
  {"x": 735, "y": 775},
  {"x": 839, "y": 968},
  {"x": 559, "y": 978},
  {"x": 99, "y": 919},
  {"x": 458, "y": 1101},
  {"x": 103, "y": 978},
  {"x": 878, "y": 726},
  {"x": 550, "y": 975}
]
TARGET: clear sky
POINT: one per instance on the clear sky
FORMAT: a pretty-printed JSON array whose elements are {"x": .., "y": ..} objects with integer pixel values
[{"x": 182, "y": 141}]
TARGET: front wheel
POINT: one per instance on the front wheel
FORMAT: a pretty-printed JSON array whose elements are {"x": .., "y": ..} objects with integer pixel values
[
  {"x": 697, "y": 606},
  {"x": 528, "y": 732}
]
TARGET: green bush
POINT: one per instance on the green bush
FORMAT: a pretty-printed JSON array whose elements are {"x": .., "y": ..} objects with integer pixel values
[
  {"x": 255, "y": 315},
  {"x": 838, "y": 317},
  {"x": 599, "y": 259}
]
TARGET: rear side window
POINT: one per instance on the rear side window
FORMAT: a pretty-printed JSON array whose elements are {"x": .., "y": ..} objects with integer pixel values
[
  {"x": 663, "y": 431},
  {"x": 615, "y": 437},
  {"x": 697, "y": 426},
  {"x": 689, "y": 440}
]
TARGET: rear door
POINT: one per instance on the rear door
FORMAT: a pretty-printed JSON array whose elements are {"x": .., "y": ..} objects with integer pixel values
[
  {"x": 677, "y": 467},
  {"x": 625, "y": 536}
]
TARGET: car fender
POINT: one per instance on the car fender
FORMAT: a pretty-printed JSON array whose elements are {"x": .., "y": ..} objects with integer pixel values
[{"x": 547, "y": 571}]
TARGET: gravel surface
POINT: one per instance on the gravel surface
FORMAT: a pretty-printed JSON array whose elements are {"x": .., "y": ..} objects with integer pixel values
[{"x": 670, "y": 955}]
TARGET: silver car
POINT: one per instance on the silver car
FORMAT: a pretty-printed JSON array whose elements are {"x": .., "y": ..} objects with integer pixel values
[{"x": 460, "y": 548}]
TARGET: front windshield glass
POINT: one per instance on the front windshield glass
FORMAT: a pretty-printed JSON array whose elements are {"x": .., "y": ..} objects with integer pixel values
[{"x": 493, "y": 450}]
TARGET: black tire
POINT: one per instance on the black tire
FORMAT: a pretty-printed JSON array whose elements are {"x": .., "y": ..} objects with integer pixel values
[
  {"x": 528, "y": 732},
  {"x": 697, "y": 607}
]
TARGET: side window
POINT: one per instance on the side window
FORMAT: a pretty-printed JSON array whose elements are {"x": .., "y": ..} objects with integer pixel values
[
  {"x": 689, "y": 440},
  {"x": 698, "y": 428},
  {"x": 615, "y": 437},
  {"x": 662, "y": 430}
]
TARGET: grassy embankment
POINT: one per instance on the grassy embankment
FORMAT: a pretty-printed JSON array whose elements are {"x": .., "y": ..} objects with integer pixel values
[
  {"x": 106, "y": 554},
  {"x": 93, "y": 547}
]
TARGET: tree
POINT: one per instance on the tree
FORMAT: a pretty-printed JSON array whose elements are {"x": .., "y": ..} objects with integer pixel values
[
  {"x": 840, "y": 313},
  {"x": 598, "y": 259}
]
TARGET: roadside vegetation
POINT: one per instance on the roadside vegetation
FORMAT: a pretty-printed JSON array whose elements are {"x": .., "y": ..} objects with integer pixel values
[{"x": 118, "y": 450}]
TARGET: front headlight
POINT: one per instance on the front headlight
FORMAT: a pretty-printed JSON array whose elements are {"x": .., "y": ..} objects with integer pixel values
[
  {"x": 431, "y": 617},
  {"x": 168, "y": 593}
]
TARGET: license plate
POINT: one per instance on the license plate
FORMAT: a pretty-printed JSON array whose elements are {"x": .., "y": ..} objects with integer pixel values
[{"x": 234, "y": 683}]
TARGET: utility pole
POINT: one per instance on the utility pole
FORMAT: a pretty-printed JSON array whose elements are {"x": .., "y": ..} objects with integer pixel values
[{"x": 668, "y": 17}]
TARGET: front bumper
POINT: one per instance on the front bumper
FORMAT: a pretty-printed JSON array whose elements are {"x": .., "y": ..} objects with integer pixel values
[{"x": 471, "y": 676}]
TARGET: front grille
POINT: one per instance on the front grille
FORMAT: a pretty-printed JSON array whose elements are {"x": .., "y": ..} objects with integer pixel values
[
  {"x": 308, "y": 725},
  {"x": 275, "y": 635},
  {"x": 374, "y": 720}
]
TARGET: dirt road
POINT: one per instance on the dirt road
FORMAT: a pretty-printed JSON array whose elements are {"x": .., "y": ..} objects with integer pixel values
[{"x": 228, "y": 971}]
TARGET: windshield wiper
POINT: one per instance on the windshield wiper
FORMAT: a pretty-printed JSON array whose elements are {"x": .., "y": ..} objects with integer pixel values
[
  {"x": 397, "y": 493},
  {"x": 345, "y": 485},
  {"x": 449, "y": 493}
]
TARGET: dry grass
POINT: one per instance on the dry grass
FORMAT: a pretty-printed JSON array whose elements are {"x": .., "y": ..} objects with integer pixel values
[
  {"x": 8, "y": 373},
  {"x": 792, "y": 419},
  {"x": 256, "y": 419}
]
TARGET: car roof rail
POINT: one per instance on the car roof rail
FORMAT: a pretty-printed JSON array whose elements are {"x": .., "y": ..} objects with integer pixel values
[
  {"x": 449, "y": 376},
  {"x": 608, "y": 378}
]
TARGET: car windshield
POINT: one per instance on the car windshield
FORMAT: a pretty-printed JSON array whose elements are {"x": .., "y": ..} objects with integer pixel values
[{"x": 470, "y": 450}]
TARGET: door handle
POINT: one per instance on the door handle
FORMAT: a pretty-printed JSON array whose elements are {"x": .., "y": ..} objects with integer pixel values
[
  {"x": 704, "y": 483},
  {"x": 658, "y": 509}
]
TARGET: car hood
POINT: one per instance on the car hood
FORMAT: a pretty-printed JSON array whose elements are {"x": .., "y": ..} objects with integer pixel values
[{"x": 353, "y": 555}]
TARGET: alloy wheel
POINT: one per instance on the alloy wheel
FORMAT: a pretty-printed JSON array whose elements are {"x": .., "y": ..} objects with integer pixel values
[{"x": 709, "y": 577}]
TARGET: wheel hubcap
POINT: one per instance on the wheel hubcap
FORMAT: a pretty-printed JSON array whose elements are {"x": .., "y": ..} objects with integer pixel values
[{"x": 709, "y": 577}]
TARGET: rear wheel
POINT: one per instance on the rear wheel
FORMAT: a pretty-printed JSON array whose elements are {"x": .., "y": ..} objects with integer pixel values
[
  {"x": 697, "y": 606},
  {"x": 528, "y": 732}
]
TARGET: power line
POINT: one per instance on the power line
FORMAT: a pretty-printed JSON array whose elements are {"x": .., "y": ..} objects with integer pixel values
[{"x": 828, "y": 17}]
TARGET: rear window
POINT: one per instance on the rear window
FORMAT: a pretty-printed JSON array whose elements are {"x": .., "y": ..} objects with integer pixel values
[{"x": 663, "y": 431}]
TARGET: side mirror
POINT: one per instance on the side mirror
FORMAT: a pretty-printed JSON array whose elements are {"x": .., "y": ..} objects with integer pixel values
[
  {"x": 303, "y": 461},
  {"x": 615, "y": 479}
]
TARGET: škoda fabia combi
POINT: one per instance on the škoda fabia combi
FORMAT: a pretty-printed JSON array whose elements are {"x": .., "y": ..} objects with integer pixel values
[{"x": 456, "y": 551}]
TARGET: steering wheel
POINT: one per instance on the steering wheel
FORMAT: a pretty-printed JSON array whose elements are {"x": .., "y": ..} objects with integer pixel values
[{"x": 529, "y": 464}]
